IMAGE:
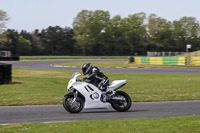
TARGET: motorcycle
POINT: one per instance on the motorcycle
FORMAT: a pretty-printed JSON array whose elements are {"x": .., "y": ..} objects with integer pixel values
[{"x": 83, "y": 95}]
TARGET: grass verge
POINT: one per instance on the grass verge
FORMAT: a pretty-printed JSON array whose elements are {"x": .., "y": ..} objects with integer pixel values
[
  {"x": 120, "y": 64},
  {"x": 187, "y": 124},
  {"x": 38, "y": 87},
  {"x": 70, "y": 57}
]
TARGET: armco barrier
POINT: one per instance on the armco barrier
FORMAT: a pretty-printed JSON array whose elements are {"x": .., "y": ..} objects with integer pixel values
[
  {"x": 5, "y": 73},
  {"x": 156, "y": 60},
  {"x": 138, "y": 60},
  {"x": 161, "y": 60},
  {"x": 145, "y": 60},
  {"x": 170, "y": 60},
  {"x": 181, "y": 61},
  {"x": 195, "y": 61}
]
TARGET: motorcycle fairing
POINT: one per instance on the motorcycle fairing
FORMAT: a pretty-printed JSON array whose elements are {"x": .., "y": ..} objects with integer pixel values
[
  {"x": 90, "y": 92},
  {"x": 116, "y": 84}
]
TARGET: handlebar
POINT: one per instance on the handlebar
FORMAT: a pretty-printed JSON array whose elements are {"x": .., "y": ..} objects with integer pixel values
[{"x": 81, "y": 80}]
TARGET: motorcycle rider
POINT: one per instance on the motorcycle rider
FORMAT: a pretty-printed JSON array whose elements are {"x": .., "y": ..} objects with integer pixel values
[{"x": 95, "y": 77}]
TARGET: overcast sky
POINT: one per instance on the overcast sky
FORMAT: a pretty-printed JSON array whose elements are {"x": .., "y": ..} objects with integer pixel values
[{"x": 39, "y": 14}]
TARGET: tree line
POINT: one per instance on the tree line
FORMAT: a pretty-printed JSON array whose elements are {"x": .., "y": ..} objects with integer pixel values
[{"x": 97, "y": 33}]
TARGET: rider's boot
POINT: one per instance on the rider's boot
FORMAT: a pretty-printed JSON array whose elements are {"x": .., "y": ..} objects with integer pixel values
[{"x": 103, "y": 96}]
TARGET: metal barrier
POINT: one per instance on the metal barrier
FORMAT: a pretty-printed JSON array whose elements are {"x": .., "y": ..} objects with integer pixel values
[
  {"x": 185, "y": 55},
  {"x": 195, "y": 61}
]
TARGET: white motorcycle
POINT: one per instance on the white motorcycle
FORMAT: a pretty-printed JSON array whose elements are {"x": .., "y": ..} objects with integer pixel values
[{"x": 87, "y": 96}]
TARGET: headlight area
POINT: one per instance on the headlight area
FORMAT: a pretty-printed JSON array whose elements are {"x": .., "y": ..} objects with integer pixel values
[{"x": 71, "y": 89}]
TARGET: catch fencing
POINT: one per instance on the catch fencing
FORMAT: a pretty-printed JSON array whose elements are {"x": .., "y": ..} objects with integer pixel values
[{"x": 164, "y": 54}]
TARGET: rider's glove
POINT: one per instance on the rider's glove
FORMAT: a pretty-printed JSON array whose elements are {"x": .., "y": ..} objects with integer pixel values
[{"x": 84, "y": 78}]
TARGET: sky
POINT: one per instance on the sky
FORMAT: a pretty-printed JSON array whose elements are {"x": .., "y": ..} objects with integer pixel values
[{"x": 39, "y": 14}]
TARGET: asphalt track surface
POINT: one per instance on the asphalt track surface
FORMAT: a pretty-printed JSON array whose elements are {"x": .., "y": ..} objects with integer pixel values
[
  {"x": 52, "y": 113},
  {"x": 56, "y": 113},
  {"x": 47, "y": 66}
]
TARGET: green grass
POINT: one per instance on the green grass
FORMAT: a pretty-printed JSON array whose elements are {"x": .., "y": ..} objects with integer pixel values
[
  {"x": 70, "y": 57},
  {"x": 187, "y": 124},
  {"x": 38, "y": 87},
  {"x": 119, "y": 64},
  {"x": 160, "y": 87},
  {"x": 35, "y": 87}
]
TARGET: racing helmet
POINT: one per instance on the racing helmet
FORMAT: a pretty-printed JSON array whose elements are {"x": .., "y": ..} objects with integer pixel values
[{"x": 86, "y": 68}]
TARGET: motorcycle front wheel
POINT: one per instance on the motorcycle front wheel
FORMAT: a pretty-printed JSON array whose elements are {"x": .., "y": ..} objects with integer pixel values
[
  {"x": 122, "y": 105},
  {"x": 72, "y": 105}
]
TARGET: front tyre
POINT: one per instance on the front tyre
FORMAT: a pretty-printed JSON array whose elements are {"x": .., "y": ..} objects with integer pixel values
[
  {"x": 124, "y": 105},
  {"x": 73, "y": 105}
]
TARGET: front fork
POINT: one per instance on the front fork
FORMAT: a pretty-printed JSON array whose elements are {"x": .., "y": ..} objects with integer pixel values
[{"x": 75, "y": 96}]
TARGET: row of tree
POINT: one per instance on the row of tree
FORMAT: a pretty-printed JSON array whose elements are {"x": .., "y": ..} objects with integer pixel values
[
  {"x": 97, "y": 33},
  {"x": 50, "y": 41}
]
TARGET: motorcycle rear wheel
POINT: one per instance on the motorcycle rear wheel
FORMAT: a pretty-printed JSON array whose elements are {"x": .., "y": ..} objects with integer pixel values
[
  {"x": 122, "y": 106},
  {"x": 70, "y": 106}
]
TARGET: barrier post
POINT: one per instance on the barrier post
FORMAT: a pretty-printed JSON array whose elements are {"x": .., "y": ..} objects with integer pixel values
[{"x": 5, "y": 73}]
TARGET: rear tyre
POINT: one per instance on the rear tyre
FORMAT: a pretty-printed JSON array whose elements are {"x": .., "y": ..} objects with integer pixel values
[
  {"x": 73, "y": 106},
  {"x": 122, "y": 106}
]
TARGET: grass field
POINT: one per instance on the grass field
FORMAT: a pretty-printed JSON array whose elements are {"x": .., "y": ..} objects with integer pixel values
[
  {"x": 36, "y": 87},
  {"x": 119, "y": 64},
  {"x": 189, "y": 124}
]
